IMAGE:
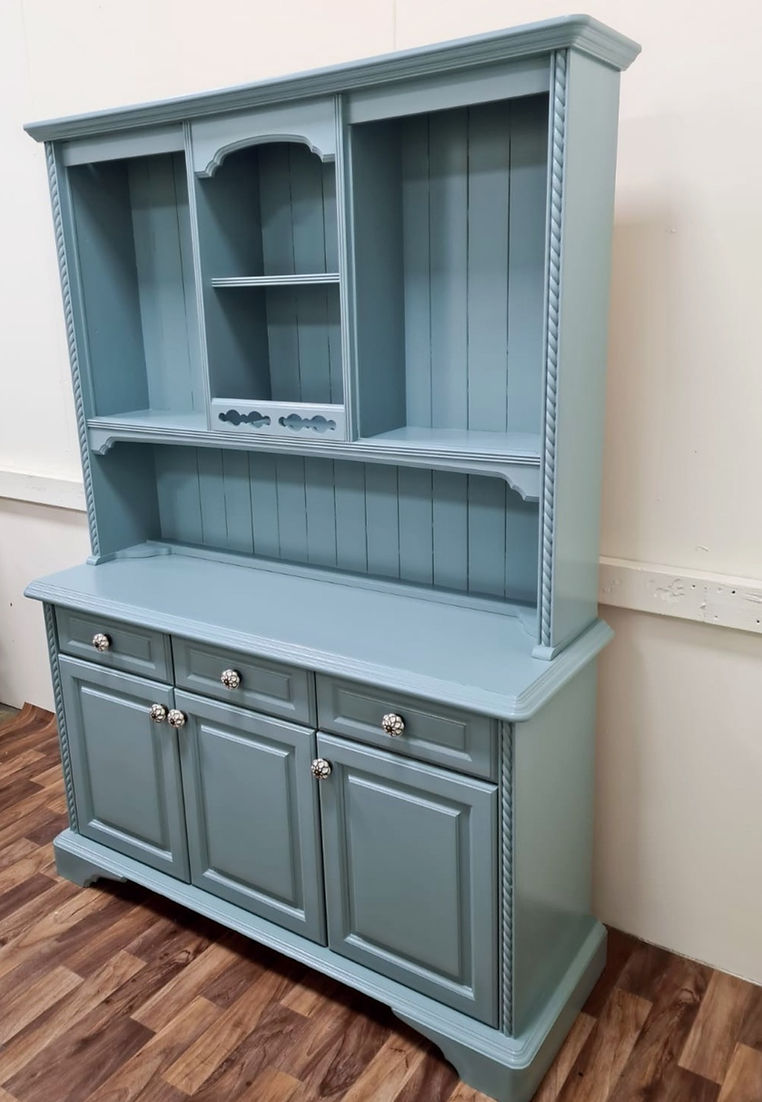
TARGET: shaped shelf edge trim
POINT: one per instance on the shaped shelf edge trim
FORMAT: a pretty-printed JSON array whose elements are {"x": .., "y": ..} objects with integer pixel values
[{"x": 521, "y": 472}]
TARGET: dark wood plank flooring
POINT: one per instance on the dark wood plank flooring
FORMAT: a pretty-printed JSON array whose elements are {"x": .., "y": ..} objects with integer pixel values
[{"x": 112, "y": 994}]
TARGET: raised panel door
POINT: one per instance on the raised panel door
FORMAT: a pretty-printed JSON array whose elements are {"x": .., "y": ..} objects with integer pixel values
[
  {"x": 126, "y": 766},
  {"x": 410, "y": 867},
  {"x": 252, "y": 813}
]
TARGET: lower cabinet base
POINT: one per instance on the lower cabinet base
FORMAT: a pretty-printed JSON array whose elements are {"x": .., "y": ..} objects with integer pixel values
[{"x": 507, "y": 1068}]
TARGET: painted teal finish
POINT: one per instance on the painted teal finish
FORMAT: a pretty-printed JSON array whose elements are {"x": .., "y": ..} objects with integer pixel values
[
  {"x": 411, "y": 254},
  {"x": 514, "y": 457},
  {"x": 592, "y": 103},
  {"x": 134, "y": 248},
  {"x": 553, "y": 841},
  {"x": 410, "y": 873},
  {"x": 140, "y": 142},
  {"x": 126, "y": 768},
  {"x": 133, "y": 649},
  {"x": 270, "y": 210},
  {"x": 451, "y": 206},
  {"x": 268, "y": 687},
  {"x": 443, "y": 736},
  {"x": 375, "y": 289},
  {"x": 474, "y": 659},
  {"x": 479, "y": 84},
  {"x": 311, "y": 122},
  {"x": 252, "y": 813},
  {"x": 453, "y": 531},
  {"x": 127, "y": 511}
]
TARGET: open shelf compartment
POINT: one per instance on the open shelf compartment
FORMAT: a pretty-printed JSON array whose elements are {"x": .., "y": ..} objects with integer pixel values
[
  {"x": 467, "y": 537},
  {"x": 268, "y": 244},
  {"x": 448, "y": 251},
  {"x": 141, "y": 342}
]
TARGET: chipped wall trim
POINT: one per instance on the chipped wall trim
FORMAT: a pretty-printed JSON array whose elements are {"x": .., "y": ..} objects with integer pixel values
[
  {"x": 59, "y": 493},
  {"x": 719, "y": 599}
]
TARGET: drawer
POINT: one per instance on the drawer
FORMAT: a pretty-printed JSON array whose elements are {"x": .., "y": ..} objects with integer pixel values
[
  {"x": 130, "y": 648},
  {"x": 432, "y": 732},
  {"x": 265, "y": 686}
]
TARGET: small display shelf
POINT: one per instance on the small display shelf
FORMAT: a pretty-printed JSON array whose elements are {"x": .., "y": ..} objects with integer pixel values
[{"x": 268, "y": 241}]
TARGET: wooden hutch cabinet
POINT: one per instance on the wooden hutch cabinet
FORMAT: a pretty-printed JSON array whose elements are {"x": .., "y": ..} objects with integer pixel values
[{"x": 338, "y": 348}]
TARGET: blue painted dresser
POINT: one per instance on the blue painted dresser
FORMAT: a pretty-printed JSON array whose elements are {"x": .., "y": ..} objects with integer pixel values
[{"x": 338, "y": 349}]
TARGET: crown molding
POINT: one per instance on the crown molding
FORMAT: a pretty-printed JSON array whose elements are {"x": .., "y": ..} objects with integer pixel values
[{"x": 579, "y": 32}]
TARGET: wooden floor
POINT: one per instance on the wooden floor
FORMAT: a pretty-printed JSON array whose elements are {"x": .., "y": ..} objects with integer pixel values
[
  {"x": 110, "y": 993},
  {"x": 7, "y": 712}
]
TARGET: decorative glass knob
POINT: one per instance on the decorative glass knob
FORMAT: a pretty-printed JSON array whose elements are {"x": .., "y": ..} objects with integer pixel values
[
  {"x": 101, "y": 642},
  {"x": 231, "y": 679},
  {"x": 393, "y": 724},
  {"x": 175, "y": 718},
  {"x": 158, "y": 713},
  {"x": 321, "y": 769}
]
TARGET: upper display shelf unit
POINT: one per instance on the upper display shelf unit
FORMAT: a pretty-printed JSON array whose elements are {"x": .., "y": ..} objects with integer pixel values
[
  {"x": 350, "y": 262},
  {"x": 392, "y": 264}
]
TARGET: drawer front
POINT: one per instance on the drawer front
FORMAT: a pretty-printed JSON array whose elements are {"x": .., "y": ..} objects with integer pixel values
[
  {"x": 432, "y": 732},
  {"x": 265, "y": 686},
  {"x": 130, "y": 648}
]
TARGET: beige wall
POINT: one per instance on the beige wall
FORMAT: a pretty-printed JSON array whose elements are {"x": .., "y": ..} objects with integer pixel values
[{"x": 679, "y": 830}]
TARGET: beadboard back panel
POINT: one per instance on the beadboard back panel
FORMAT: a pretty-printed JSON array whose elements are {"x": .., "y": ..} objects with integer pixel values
[
  {"x": 467, "y": 533},
  {"x": 454, "y": 205},
  {"x": 136, "y": 267},
  {"x": 270, "y": 211}
]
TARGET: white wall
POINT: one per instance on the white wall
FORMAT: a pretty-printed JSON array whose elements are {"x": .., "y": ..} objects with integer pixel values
[
  {"x": 34, "y": 540},
  {"x": 679, "y": 833}
]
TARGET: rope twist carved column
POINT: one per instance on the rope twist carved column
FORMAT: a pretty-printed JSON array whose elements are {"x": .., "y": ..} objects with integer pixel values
[
  {"x": 558, "y": 140},
  {"x": 71, "y": 339},
  {"x": 63, "y": 738},
  {"x": 506, "y": 876}
]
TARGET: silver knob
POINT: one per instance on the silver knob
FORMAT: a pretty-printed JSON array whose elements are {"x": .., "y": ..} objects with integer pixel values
[
  {"x": 321, "y": 769},
  {"x": 393, "y": 724},
  {"x": 231, "y": 679},
  {"x": 101, "y": 642},
  {"x": 158, "y": 713},
  {"x": 175, "y": 718}
]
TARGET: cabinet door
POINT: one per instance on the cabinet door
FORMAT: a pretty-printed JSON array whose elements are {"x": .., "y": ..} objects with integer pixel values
[
  {"x": 410, "y": 867},
  {"x": 252, "y": 812},
  {"x": 126, "y": 767}
]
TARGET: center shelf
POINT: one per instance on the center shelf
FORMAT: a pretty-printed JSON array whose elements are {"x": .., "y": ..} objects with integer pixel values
[{"x": 275, "y": 280}]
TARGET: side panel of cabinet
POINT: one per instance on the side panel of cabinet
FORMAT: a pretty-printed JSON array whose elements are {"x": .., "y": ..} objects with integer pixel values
[
  {"x": 126, "y": 767},
  {"x": 410, "y": 859},
  {"x": 583, "y": 242},
  {"x": 252, "y": 813}
]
